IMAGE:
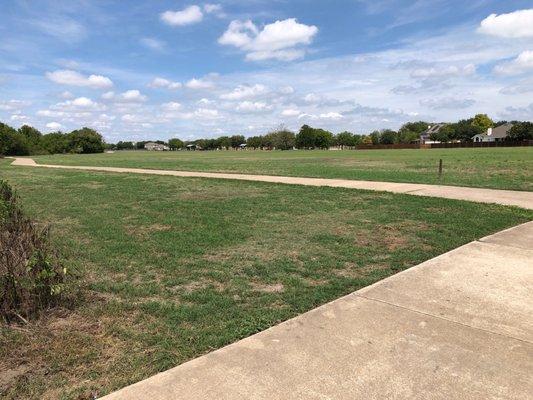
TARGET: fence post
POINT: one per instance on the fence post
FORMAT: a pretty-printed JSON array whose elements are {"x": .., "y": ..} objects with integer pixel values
[{"x": 440, "y": 168}]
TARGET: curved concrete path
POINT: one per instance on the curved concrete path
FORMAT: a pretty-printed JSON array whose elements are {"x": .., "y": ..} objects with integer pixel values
[
  {"x": 505, "y": 197},
  {"x": 459, "y": 326}
]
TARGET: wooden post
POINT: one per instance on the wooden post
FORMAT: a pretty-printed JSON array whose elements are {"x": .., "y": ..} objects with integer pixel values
[{"x": 440, "y": 168}]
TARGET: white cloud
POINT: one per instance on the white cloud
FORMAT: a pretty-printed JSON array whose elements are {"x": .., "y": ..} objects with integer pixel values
[
  {"x": 50, "y": 113},
  {"x": 108, "y": 95},
  {"x": 211, "y": 8},
  {"x": 280, "y": 40},
  {"x": 287, "y": 90},
  {"x": 206, "y": 113},
  {"x": 164, "y": 83},
  {"x": 199, "y": 84},
  {"x": 18, "y": 117},
  {"x": 66, "y": 95},
  {"x": 54, "y": 126},
  {"x": 153, "y": 44},
  {"x": 129, "y": 96},
  {"x": 12, "y": 105},
  {"x": 187, "y": 16},
  {"x": 521, "y": 64},
  {"x": 331, "y": 115},
  {"x": 448, "y": 71},
  {"x": 249, "y": 106},
  {"x": 518, "y": 24},
  {"x": 244, "y": 92},
  {"x": 73, "y": 78},
  {"x": 290, "y": 112},
  {"x": 171, "y": 106},
  {"x": 83, "y": 102}
]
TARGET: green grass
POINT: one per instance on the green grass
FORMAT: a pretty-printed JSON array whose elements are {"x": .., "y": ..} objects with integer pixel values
[
  {"x": 501, "y": 168},
  {"x": 171, "y": 268}
]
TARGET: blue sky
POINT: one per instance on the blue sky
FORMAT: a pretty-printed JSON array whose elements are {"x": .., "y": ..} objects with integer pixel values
[{"x": 160, "y": 69}]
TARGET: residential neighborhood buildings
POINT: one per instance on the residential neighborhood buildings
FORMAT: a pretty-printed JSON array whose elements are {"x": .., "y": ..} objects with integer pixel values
[
  {"x": 425, "y": 136},
  {"x": 497, "y": 134},
  {"x": 156, "y": 146}
]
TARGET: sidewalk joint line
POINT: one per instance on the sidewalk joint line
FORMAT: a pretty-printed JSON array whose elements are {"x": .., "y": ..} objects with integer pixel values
[{"x": 442, "y": 318}]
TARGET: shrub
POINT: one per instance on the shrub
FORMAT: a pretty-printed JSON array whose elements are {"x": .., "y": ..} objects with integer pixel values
[{"x": 32, "y": 277}]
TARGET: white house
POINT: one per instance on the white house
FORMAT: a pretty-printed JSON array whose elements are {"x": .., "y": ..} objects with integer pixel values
[
  {"x": 156, "y": 146},
  {"x": 497, "y": 134}
]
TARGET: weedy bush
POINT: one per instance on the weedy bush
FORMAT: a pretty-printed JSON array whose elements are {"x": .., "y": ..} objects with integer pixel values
[{"x": 32, "y": 277}]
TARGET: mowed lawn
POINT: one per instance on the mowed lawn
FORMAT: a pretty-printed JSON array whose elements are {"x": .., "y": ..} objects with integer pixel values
[
  {"x": 500, "y": 168},
  {"x": 171, "y": 268}
]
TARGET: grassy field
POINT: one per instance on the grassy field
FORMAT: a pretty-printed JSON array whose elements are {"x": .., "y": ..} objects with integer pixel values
[
  {"x": 501, "y": 168},
  {"x": 172, "y": 268}
]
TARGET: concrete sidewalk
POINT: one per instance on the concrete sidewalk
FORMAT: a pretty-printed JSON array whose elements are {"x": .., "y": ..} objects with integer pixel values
[
  {"x": 459, "y": 326},
  {"x": 505, "y": 197}
]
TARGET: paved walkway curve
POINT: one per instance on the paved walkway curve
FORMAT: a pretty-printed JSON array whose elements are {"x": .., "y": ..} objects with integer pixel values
[
  {"x": 459, "y": 326},
  {"x": 505, "y": 197}
]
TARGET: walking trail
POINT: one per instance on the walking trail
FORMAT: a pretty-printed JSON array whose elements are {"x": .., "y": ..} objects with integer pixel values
[
  {"x": 459, "y": 326},
  {"x": 505, "y": 197}
]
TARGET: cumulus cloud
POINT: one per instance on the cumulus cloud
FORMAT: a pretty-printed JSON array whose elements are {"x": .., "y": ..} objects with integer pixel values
[
  {"x": 54, "y": 126},
  {"x": 521, "y": 64},
  {"x": 213, "y": 9},
  {"x": 171, "y": 106},
  {"x": 250, "y": 106},
  {"x": 449, "y": 103},
  {"x": 164, "y": 83},
  {"x": 444, "y": 72},
  {"x": 200, "y": 83},
  {"x": 245, "y": 92},
  {"x": 73, "y": 78},
  {"x": 290, "y": 112},
  {"x": 187, "y": 16},
  {"x": 280, "y": 40},
  {"x": 518, "y": 24},
  {"x": 12, "y": 105},
  {"x": 129, "y": 96}
]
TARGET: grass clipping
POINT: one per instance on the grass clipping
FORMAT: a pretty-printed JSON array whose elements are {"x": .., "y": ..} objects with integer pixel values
[{"x": 32, "y": 278}]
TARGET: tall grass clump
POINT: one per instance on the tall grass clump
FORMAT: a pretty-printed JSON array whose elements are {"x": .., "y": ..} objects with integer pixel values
[{"x": 32, "y": 277}]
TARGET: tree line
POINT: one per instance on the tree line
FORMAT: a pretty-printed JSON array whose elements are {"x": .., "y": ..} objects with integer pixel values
[{"x": 29, "y": 141}]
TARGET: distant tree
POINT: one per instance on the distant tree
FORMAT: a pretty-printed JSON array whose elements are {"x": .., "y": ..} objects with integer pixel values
[
  {"x": 346, "y": 139},
  {"x": 32, "y": 137},
  {"x": 12, "y": 143},
  {"x": 417, "y": 127},
  {"x": 237, "y": 140},
  {"x": 305, "y": 139},
  {"x": 175, "y": 143},
  {"x": 388, "y": 136},
  {"x": 86, "y": 140},
  {"x": 223, "y": 142},
  {"x": 254, "y": 142},
  {"x": 374, "y": 137},
  {"x": 283, "y": 139},
  {"x": 140, "y": 145},
  {"x": 124, "y": 146},
  {"x": 521, "y": 131},
  {"x": 483, "y": 122},
  {"x": 323, "y": 139},
  {"x": 465, "y": 130},
  {"x": 55, "y": 143},
  {"x": 367, "y": 139}
]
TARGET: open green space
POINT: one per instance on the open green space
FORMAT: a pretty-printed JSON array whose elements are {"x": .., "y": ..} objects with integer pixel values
[
  {"x": 171, "y": 268},
  {"x": 500, "y": 167}
]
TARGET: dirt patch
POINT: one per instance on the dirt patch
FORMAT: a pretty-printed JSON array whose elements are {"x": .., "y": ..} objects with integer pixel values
[{"x": 268, "y": 288}]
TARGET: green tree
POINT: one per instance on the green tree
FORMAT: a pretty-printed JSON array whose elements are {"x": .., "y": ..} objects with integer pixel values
[
  {"x": 346, "y": 139},
  {"x": 124, "y": 146},
  {"x": 305, "y": 139},
  {"x": 33, "y": 138},
  {"x": 388, "y": 136},
  {"x": 254, "y": 142},
  {"x": 521, "y": 131},
  {"x": 175, "y": 143},
  {"x": 223, "y": 142},
  {"x": 465, "y": 130},
  {"x": 237, "y": 140},
  {"x": 323, "y": 139},
  {"x": 283, "y": 140},
  {"x": 374, "y": 137},
  {"x": 12, "y": 143},
  {"x": 483, "y": 122},
  {"x": 86, "y": 140},
  {"x": 55, "y": 143}
]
